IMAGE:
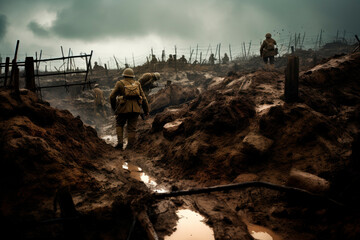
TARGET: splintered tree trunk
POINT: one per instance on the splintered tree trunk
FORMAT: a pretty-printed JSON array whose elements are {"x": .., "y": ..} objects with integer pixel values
[{"x": 292, "y": 79}]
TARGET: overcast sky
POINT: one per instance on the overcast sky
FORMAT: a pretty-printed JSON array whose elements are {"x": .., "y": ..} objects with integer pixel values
[{"x": 123, "y": 28}]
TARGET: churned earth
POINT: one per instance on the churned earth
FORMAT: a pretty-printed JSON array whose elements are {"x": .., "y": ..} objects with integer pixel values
[{"x": 218, "y": 130}]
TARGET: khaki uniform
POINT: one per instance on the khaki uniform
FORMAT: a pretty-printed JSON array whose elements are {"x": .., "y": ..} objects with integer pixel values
[
  {"x": 99, "y": 101},
  {"x": 266, "y": 53},
  {"x": 147, "y": 82},
  {"x": 127, "y": 110}
]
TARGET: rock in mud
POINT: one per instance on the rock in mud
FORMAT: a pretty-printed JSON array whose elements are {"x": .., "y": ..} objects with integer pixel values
[
  {"x": 171, "y": 129},
  {"x": 256, "y": 144}
]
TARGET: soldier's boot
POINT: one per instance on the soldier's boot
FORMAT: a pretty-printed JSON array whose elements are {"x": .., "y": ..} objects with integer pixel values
[
  {"x": 119, "y": 133},
  {"x": 131, "y": 140}
]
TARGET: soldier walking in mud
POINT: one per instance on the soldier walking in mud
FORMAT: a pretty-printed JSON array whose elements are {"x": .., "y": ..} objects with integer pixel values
[
  {"x": 212, "y": 59},
  {"x": 225, "y": 59},
  {"x": 268, "y": 50},
  {"x": 99, "y": 101},
  {"x": 126, "y": 100},
  {"x": 147, "y": 82}
]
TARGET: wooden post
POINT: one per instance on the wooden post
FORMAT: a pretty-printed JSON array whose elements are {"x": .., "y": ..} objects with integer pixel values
[
  {"x": 292, "y": 50},
  {"x": 7, "y": 63},
  {"x": 106, "y": 70},
  {"x": 30, "y": 76},
  {"x": 219, "y": 54},
  {"x": 0, "y": 64},
  {"x": 249, "y": 49},
  {"x": 16, "y": 78},
  {"x": 230, "y": 52},
  {"x": 292, "y": 79},
  {"x": 197, "y": 50},
  {"x": 200, "y": 57},
  {"x": 14, "y": 65},
  {"x": 133, "y": 60}
]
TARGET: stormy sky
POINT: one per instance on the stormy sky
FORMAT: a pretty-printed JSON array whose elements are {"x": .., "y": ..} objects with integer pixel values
[{"x": 125, "y": 28}]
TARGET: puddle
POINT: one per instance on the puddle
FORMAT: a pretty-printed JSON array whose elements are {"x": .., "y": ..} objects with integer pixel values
[
  {"x": 191, "y": 226},
  {"x": 261, "y": 233},
  {"x": 138, "y": 174}
]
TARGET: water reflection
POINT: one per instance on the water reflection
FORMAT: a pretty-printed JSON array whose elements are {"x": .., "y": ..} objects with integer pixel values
[
  {"x": 138, "y": 174},
  {"x": 191, "y": 226}
]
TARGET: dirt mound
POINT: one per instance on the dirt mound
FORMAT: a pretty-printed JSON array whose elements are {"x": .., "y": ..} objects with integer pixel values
[
  {"x": 170, "y": 96},
  {"x": 240, "y": 128},
  {"x": 242, "y": 123},
  {"x": 42, "y": 148}
]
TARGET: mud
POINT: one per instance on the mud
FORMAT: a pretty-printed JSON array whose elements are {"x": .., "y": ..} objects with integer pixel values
[{"x": 229, "y": 124}]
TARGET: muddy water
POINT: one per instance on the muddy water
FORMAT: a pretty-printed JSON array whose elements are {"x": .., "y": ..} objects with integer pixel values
[
  {"x": 191, "y": 226},
  {"x": 261, "y": 233},
  {"x": 138, "y": 174}
]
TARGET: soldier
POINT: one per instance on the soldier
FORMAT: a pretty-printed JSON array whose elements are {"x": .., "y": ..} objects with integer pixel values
[
  {"x": 212, "y": 59},
  {"x": 183, "y": 60},
  {"x": 147, "y": 81},
  {"x": 225, "y": 59},
  {"x": 126, "y": 100},
  {"x": 170, "y": 60},
  {"x": 268, "y": 50},
  {"x": 99, "y": 101},
  {"x": 153, "y": 59}
]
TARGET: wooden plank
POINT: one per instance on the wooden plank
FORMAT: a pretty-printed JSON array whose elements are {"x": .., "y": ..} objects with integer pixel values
[{"x": 292, "y": 79}]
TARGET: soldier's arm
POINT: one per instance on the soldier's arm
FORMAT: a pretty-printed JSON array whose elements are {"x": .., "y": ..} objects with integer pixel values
[
  {"x": 262, "y": 47},
  {"x": 115, "y": 92},
  {"x": 145, "y": 104}
]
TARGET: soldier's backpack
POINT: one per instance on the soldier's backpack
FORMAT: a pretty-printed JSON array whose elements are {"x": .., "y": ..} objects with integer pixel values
[
  {"x": 132, "y": 90},
  {"x": 270, "y": 46}
]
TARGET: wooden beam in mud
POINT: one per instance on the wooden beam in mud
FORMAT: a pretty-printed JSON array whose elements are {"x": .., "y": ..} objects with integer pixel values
[
  {"x": 145, "y": 222},
  {"x": 292, "y": 79},
  {"x": 243, "y": 185}
]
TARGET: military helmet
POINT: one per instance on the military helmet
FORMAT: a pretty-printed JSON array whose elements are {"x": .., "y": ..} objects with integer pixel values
[
  {"x": 128, "y": 72},
  {"x": 96, "y": 85},
  {"x": 268, "y": 35},
  {"x": 157, "y": 75}
]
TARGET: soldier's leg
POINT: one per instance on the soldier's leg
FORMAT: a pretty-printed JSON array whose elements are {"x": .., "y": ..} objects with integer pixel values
[
  {"x": 132, "y": 122},
  {"x": 271, "y": 59},
  {"x": 120, "y": 122}
]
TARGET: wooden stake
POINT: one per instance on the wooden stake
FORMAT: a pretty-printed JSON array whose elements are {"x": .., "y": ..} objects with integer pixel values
[
  {"x": 230, "y": 52},
  {"x": 219, "y": 53},
  {"x": 29, "y": 72},
  {"x": 7, "y": 63},
  {"x": 292, "y": 79}
]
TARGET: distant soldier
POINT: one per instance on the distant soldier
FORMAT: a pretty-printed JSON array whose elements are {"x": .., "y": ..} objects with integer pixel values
[
  {"x": 153, "y": 59},
  {"x": 225, "y": 59},
  {"x": 127, "y": 98},
  {"x": 268, "y": 50},
  {"x": 170, "y": 60},
  {"x": 212, "y": 59},
  {"x": 183, "y": 60},
  {"x": 98, "y": 67},
  {"x": 99, "y": 101},
  {"x": 147, "y": 81}
]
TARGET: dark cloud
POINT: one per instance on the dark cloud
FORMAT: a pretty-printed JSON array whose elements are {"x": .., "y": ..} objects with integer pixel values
[
  {"x": 200, "y": 19},
  {"x": 3, "y": 25},
  {"x": 37, "y": 29}
]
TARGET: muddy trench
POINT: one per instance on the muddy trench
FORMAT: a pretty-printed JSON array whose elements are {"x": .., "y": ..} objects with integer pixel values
[{"x": 256, "y": 166}]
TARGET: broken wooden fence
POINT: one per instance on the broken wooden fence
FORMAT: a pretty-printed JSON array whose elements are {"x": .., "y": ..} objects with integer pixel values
[{"x": 31, "y": 74}]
